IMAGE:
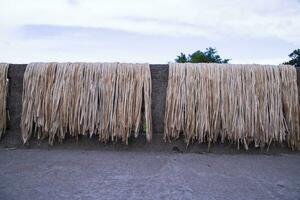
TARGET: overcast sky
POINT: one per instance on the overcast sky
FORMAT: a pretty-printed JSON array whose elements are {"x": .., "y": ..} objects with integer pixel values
[{"x": 154, "y": 31}]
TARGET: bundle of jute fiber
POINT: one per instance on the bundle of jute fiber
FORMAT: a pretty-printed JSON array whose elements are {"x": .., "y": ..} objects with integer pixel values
[
  {"x": 104, "y": 99},
  {"x": 3, "y": 95},
  {"x": 240, "y": 103}
]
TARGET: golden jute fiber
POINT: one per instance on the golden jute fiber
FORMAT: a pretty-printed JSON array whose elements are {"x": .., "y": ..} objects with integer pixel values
[
  {"x": 104, "y": 99},
  {"x": 243, "y": 104},
  {"x": 3, "y": 95}
]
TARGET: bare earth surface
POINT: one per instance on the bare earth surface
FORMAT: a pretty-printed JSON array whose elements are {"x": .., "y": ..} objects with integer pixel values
[{"x": 76, "y": 174}]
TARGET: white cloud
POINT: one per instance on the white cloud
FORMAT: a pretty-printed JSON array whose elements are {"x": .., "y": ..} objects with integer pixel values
[
  {"x": 215, "y": 18},
  {"x": 271, "y": 61},
  {"x": 216, "y": 21}
]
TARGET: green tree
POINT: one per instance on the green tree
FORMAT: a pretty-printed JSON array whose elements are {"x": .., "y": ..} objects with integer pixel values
[
  {"x": 181, "y": 58},
  {"x": 208, "y": 56},
  {"x": 295, "y": 58}
]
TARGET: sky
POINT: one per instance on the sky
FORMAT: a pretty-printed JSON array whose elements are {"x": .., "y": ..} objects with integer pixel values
[{"x": 154, "y": 31}]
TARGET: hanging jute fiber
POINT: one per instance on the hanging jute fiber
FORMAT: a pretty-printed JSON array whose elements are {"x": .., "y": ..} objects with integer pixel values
[
  {"x": 242, "y": 104},
  {"x": 3, "y": 95},
  {"x": 105, "y": 99}
]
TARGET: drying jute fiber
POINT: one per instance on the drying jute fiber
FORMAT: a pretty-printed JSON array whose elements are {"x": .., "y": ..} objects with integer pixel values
[
  {"x": 110, "y": 100},
  {"x": 242, "y": 104},
  {"x": 3, "y": 95}
]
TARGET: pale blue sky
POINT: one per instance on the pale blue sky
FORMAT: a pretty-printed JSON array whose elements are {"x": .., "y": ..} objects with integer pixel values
[{"x": 247, "y": 31}]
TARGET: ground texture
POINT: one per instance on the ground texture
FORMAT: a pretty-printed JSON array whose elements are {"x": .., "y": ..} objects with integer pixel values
[{"x": 75, "y": 174}]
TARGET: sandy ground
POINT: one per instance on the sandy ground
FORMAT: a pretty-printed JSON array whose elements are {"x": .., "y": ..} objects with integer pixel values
[{"x": 77, "y": 174}]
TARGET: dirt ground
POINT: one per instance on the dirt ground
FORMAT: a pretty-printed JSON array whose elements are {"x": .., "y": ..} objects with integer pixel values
[{"x": 88, "y": 174}]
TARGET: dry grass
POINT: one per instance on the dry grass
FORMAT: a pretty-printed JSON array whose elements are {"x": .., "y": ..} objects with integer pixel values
[
  {"x": 240, "y": 103},
  {"x": 103, "y": 99},
  {"x": 3, "y": 94}
]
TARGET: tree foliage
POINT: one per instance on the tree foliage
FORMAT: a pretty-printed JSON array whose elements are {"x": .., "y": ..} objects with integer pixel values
[
  {"x": 295, "y": 58},
  {"x": 210, "y": 55}
]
